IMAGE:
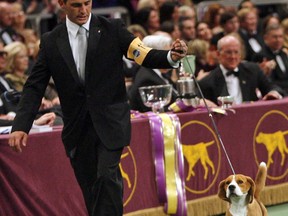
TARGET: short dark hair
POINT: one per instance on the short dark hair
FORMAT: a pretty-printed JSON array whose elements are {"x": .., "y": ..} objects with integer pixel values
[
  {"x": 226, "y": 16},
  {"x": 181, "y": 21},
  {"x": 240, "y": 6},
  {"x": 167, "y": 26}
]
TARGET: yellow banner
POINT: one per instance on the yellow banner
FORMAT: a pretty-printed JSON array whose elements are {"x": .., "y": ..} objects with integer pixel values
[{"x": 169, "y": 133}]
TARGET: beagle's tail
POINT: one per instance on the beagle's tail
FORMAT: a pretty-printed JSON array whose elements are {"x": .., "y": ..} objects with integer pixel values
[{"x": 260, "y": 179}]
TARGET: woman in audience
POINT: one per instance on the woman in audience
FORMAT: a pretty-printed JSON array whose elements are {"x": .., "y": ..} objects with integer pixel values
[
  {"x": 16, "y": 67},
  {"x": 169, "y": 12},
  {"x": 148, "y": 18},
  {"x": 200, "y": 49},
  {"x": 212, "y": 17},
  {"x": 203, "y": 31},
  {"x": 32, "y": 43},
  {"x": 17, "y": 64}
]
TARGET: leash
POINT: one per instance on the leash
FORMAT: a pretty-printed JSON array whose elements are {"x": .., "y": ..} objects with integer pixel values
[{"x": 212, "y": 118}]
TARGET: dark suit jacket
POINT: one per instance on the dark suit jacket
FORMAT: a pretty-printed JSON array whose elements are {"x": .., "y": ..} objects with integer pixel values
[
  {"x": 145, "y": 77},
  {"x": 250, "y": 77},
  {"x": 248, "y": 48},
  {"x": 102, "y": 99},
  {"x": 12, "y": 34},
  {"x": 277, "y": 75}
]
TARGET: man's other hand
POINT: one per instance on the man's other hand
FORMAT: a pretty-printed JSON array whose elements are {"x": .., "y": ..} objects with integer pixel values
[{"x": 17, "y": 140}]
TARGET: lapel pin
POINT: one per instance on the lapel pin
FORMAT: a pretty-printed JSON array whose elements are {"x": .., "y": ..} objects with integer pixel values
[
  {"x": 244, "y": 82},
  {"x": 99, "y": 31}
]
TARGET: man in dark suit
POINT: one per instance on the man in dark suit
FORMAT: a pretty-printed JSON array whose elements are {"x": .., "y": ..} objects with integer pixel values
[
  {"x": 93, "y": 97},
  {"x": 273, "y": 59},
  {"x": 235, "y": 78}
]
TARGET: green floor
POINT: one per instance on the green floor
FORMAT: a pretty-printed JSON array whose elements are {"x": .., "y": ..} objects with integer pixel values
[{"x": 278, "y": 210}]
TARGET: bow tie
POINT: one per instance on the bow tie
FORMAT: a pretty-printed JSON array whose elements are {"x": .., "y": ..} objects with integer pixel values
[{"x": 232, "y": 72}]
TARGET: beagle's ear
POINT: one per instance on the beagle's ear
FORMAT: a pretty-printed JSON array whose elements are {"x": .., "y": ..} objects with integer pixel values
[
  {"x": 222, "y": 191},
  {"x": 252, "y": 189}
]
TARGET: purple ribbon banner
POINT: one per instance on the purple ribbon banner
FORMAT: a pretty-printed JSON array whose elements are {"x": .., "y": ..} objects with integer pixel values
[{"x": 158, "y": 145}]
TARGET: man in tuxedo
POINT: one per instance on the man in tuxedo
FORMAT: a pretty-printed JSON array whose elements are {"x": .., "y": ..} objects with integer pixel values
[
  {"x": 235, "y": 78},
  {"x": 93, "y": 97},
  {"x": 252, "y": 38},
  {"x": 273, "y": 59}
]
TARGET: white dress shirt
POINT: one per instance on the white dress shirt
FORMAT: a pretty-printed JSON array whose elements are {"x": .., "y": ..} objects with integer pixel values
[
  {"x": 72, "y": 29},
  {"x": 233, "y": 85}
]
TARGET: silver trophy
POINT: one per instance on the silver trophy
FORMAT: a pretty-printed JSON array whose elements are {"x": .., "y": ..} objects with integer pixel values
[{"x": 186, "y": 86}]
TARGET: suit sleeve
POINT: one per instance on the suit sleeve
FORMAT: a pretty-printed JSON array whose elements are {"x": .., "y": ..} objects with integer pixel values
[
  {"x": 33, "y": 92},
  {"x": 134, "y": 49},
  {"x": 265, "y": 84}
]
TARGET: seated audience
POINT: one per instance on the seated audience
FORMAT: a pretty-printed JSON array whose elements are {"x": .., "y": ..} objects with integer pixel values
[
  {"x": 272, "y": 59},
  {"x": 238, "y": 79},
  {"x": 149, "y": 77}
]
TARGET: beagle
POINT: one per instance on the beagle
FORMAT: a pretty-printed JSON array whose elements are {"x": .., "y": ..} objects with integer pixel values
[{"x": 243, "y": 194}]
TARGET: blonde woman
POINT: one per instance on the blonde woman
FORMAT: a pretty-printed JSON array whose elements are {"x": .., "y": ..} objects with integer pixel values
[
  {"x": 17, "y": 64},
  {"x": 16, "y": 67},
  {"x": 200, "y": 49}
]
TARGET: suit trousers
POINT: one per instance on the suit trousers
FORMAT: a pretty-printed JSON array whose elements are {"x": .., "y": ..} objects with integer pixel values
[{"x": 97, "y": 171}]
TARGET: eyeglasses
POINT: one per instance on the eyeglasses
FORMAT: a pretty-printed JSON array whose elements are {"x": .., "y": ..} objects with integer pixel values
[{"x": 3, "y": 54}]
